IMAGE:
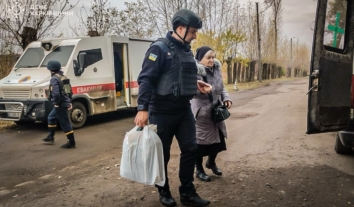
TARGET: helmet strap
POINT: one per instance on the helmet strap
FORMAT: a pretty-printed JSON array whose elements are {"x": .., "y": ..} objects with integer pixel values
[{"x": 185, "y": 35}]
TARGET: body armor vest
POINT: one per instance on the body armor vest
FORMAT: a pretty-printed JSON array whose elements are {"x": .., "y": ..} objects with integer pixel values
[
  {"x": 65, "y": 87},
  {"x": 181, "y": 78}
]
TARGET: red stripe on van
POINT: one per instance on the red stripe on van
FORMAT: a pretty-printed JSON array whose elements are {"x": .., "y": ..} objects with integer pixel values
[
  {"x": 93, "y": 88},
  {"x": 132, "y": 84}
]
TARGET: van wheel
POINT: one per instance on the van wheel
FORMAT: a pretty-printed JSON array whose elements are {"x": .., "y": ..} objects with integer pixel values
[
  {"x": 78, "y": 115},
  {"x": 340, "y": 148}
]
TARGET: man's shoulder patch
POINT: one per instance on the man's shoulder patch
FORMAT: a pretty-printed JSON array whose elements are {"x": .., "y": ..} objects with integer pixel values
[{"x": 152, "y": 56}]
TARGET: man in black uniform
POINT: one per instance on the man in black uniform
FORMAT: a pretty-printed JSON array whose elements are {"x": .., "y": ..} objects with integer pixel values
[
  {"x": 167, "y": 83},
  {"x": 62, "y": 103}
]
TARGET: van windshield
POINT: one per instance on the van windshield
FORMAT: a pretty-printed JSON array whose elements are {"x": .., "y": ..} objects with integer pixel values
[
  {"x": 31, "y": 58},
  {"x": 61, "y": 54}
]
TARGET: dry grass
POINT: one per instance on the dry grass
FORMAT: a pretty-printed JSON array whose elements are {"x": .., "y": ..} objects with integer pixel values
[
  {"x": 6, "y": 64},
  {"x": 4, "y": 125}
]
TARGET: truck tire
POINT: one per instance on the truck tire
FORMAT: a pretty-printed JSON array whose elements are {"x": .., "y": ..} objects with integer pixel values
[
  {"x": 78, "y": 115},
  {"x": 340, "y": 148}
]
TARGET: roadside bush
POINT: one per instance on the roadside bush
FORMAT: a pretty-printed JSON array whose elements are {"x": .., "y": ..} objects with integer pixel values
[
  {"x": 282, "y": 72},
  {"x": 6, "y": 64}
]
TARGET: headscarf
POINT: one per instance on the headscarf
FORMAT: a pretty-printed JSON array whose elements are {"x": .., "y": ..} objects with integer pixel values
[{"x": 201, "y": 51}]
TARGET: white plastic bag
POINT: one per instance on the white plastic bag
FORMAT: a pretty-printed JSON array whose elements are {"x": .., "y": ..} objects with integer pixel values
[{"x": 142, "y": 158}]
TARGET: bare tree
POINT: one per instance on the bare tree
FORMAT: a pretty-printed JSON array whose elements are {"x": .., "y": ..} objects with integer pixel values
[
  {"x": 277, "y": 9},
  {"x": 268, "y": 43},
  {"x": 301, "y": 56},
  {"x": 163, "y": 10},
  {"x": 249, "y": 24},
  {"x": 134, "y": 21},
  {"x": 97, "y": 21},
  {"x": 24, "y": 21}
]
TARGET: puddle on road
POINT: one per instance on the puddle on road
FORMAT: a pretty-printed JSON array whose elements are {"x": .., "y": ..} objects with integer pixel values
[{"x": 238, "y": 115}]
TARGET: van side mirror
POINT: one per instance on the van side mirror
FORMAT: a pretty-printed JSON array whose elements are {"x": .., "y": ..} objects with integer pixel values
[
  {"x": 77, "y": 71},
  {"x": 82, "y": 61},
  {"x": 80, "y": 65}
]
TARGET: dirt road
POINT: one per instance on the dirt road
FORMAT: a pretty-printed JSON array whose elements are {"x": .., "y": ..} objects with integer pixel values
[{"x": 270, "y": 161}]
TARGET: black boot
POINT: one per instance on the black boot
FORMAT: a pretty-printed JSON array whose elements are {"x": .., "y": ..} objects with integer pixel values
[
  {"x": 193, "y": 199},
  {"x": 50, "y": 137},
  {"x": 201, "y": 175},
  {"x": 71, "y": 143},
  {"x": 68, "y": 145},
  {"x": 166, "y": 198},
  {"x": 213, "y": 168}
]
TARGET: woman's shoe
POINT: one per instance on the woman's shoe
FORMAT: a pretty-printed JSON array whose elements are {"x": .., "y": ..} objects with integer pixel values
[
  {"x": 214, "y": 168},
  {"x": 202, "y": 176}
]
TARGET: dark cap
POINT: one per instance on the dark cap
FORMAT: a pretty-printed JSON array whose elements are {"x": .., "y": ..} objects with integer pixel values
[
  {"x": 201, "y": 51},
  {"x": 53, "y": 65}
]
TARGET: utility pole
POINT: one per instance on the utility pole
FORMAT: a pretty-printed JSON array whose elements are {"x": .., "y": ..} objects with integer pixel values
[
  {"x": 291, "y": 56},
  {"x": 236, "y": 65},
  {"x": 260, "y": 68}
]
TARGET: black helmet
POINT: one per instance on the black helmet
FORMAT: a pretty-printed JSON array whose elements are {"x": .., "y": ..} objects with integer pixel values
[
  {"x": 53, "y": 65},
  {"x": 186, "y": 17}
]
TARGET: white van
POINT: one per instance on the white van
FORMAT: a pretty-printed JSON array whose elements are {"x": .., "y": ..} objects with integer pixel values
[{"x": 102, "y": 70}]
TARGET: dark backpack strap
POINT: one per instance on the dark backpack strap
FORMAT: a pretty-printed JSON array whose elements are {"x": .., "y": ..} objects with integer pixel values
[
  {"x": 60, "y": 81},
  {"x": 164, "y": 44},
  {"x": 60, "y": 84}
]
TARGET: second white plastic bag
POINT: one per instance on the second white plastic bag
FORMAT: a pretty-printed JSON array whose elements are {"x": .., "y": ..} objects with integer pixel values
[{"x": 142, "y": 157}]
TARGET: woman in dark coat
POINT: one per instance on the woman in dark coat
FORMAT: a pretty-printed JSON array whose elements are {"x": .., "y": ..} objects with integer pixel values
[{"x": 210, "y": 135}]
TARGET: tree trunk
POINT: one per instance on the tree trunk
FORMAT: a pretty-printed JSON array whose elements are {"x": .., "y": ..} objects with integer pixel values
[
  {"x": 264, "y": 74},
  {"x": 253, "y": 70},
  {"x": 279, "y": 72},
  {"x": 239, "y": 68},
  {"x": 243, "y": 73},
  {"x": 92, "y": 33},
  {"x": 274, "y": 67},
  {"x": 229, "y": 72},
  {"x": 234, "y": 72},
  {"x": 28, "y": 35}
]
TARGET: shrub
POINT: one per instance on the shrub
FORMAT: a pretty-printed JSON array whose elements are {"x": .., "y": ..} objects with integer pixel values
[{"x": 6, "y": 64}]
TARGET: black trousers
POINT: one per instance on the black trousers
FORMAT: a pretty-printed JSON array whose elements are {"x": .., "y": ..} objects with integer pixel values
[
  {"x": 211, "y": 151},
  {"x": 60, "y": 113},
  {"x": 181, "y": 125}
]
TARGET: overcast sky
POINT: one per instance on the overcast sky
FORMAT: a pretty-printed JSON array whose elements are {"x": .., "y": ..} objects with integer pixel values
[{"x": 298, "y": 17}]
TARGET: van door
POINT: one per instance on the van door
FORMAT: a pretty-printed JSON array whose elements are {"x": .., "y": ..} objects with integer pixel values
[
  {"x": 329, "y": 96},
  {"x": 119, "y": 50}
]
